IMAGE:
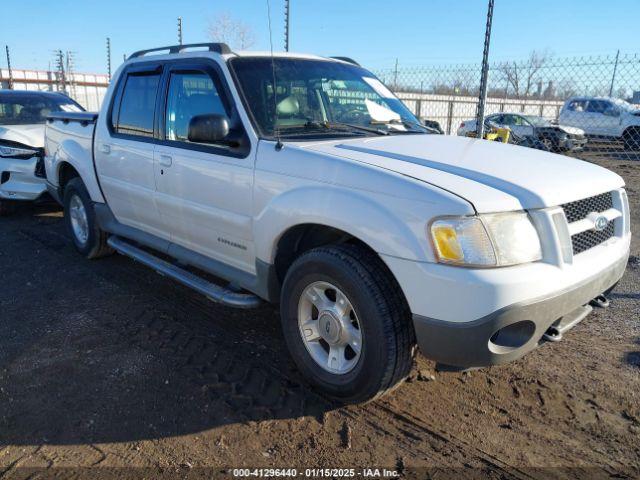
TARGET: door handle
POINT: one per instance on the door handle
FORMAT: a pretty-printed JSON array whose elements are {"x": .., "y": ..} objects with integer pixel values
[
  {"x": 105, "y": 148},
  {"x": 165, "y": 160}
]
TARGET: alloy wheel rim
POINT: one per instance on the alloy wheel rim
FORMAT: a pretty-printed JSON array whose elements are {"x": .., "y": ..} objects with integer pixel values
[
  {"x": 329, "y": 328},
  {"x": 79, "y": 220}
]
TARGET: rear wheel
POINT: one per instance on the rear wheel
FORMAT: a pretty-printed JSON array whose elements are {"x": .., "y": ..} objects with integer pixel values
[
  {"x": 346, "y": 323},
  {"x": 81, "y": 222}
]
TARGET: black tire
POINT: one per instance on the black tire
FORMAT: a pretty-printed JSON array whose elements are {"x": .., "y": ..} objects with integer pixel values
[
  {"x": 7, "y": 207},
  {"x": 388, "y": 338},
  {"x": 631, "y": 139},
  {"x": 95, "y": 245}
]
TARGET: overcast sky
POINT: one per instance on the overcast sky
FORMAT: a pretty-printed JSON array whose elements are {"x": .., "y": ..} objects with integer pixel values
[{"x": 374, "y": 32}]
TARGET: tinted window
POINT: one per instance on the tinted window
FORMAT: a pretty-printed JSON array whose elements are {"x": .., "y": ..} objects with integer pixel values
[
  {"x": 190, "y": 94},
  {"x": 29, "y": 109},
  {"x": 138, "y": 105}
]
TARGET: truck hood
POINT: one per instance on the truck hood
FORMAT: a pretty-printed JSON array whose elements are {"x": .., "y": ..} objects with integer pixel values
[
  {"x": 492, "y": 176},
  {"x": 29, "y": 135}
]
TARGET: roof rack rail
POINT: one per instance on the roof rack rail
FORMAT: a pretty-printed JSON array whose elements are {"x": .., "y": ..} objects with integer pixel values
[
  {"x": 347, "y": 59},
  {"x": 221, "y": 48}
]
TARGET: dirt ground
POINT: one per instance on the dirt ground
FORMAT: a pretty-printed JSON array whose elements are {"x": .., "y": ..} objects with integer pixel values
[{"x": 108, "y": 370}]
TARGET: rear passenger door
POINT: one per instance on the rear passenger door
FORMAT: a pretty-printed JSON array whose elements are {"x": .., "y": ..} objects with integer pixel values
[
  {"x": 125, "y": 159},
  {"x": 204, "y": 191}
]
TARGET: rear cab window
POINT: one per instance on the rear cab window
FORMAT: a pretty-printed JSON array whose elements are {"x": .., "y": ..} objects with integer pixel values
[{"x": 136, "y": 112}]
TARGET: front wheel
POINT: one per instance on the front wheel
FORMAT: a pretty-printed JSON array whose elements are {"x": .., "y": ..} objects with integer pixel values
[
  {"x": 81, "y": 222},
  {"x": 346, "y": 322}
]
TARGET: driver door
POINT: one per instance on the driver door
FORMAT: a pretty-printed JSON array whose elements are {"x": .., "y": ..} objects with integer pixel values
[{"x": 204, "y": 191}]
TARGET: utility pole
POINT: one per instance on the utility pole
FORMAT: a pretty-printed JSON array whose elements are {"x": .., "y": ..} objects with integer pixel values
[
  {"x": 109, "y": 58},
  {"x": 287, "y": 24},
  {"x": 615, "y": 69},
  {"x": 485, "y": 72},
  {"x": 71, "y": 66},
  {"x": 62, "y": 82},
  {"x": 6, "y": 47},
  {"x": 179, "y": 30}
]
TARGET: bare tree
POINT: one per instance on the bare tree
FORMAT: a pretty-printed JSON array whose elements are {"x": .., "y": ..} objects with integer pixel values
[
  {"x": 522, "y": 77},
  {"x": 237, "y": 34}
]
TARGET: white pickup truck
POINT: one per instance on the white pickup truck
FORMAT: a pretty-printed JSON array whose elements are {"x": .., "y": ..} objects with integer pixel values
[
  {"x": 604, "y": 118},
  {"x": 324, "y": 195}
]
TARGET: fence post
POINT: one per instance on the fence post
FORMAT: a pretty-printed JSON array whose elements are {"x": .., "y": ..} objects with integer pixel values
[
  {"x": 418, "y": 108},
  {"x": 9, "y": 68},
  {"x": 485, "y": 72},
  {"x": 450, "y": 117}
]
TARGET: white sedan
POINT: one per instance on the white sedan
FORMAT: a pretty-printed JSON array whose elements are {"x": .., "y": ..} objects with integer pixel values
[
  {"x": 556, "y": 138},
  {"x": 22, "y": 118}
]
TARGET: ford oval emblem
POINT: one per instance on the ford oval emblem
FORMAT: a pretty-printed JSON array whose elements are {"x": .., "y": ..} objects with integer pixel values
[{"x": 600, "y": 223}]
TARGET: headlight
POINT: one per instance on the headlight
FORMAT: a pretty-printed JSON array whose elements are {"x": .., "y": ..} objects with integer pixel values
[
  {"x": 494, "y": 240},
  {"x": 16, "y": 152}
]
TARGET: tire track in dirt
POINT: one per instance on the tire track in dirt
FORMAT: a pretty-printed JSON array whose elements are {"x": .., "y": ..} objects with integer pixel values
[{"x": 255, "y": 390}]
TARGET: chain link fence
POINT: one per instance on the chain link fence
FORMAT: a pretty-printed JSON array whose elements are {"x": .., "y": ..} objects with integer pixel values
[{"x": 584, "y": 107}]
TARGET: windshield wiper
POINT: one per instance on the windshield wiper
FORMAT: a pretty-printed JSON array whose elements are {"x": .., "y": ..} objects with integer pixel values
[
  {"x": 404, "y": 122},
  {"x": 345, "y": 126}
]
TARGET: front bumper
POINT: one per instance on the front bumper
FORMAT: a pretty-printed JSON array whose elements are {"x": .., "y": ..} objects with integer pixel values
[
  {"x": 512, "y": 331},
  {"x": 18, "y": 180},
  {"x": 574, "y": 143}
]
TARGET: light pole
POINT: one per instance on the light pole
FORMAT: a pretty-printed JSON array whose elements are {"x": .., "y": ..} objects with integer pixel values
[{"x": 485, "y": 72}]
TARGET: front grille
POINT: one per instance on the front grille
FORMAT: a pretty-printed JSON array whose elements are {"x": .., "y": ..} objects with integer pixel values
[
  {"x": 583, "y": 241},
  {"x": 579, "y": 209}
]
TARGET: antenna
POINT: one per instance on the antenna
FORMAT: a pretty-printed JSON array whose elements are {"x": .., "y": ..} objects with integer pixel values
[
  {"x": 276, "y": 131},
  {"x": 180, "y": 30}
]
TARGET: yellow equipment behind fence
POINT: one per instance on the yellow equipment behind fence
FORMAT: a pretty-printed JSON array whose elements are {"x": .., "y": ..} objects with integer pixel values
[{"x": 496, "y": 134}]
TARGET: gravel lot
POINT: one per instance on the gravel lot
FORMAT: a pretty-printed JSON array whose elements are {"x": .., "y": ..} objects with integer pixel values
[{"x": 106, "y": 364}]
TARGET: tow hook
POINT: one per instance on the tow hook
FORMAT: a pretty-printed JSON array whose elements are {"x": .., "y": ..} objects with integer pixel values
[
  {"x": 600, "y": 301},
  {"x": 553, "y": 334}
]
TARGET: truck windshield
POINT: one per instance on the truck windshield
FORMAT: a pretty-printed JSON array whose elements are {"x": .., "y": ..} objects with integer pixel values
[
  {"x": 319, "y": 97},
  {"x": 32, "y": 108}
]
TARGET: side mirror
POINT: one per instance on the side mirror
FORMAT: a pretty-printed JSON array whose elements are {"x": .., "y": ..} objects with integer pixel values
[{"x": 210, "y": 128}]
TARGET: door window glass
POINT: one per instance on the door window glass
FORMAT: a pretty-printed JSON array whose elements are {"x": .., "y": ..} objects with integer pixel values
[
  {"x": 190, "y": 94},
  {"x": 138, "y": 105},
  {"x": 577, "y": 106},
  {"x": 598, "y": 106}
]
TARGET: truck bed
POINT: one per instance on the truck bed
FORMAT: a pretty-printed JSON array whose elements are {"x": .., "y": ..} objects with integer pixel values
[{"x": 69, "y": 140}]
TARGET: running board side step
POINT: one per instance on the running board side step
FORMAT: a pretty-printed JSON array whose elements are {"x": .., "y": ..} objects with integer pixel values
[{"x": 210, "y": 290}]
